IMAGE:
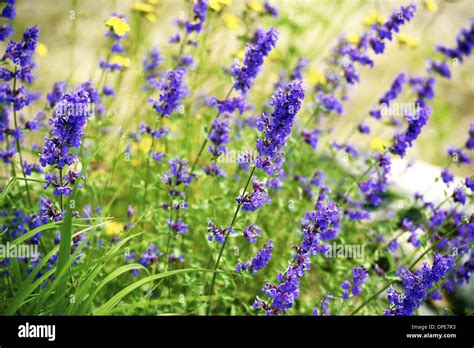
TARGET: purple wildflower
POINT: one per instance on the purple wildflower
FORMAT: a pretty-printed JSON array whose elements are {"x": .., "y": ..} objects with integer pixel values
[
  {"x": 67, "y": 129},
  {"x": 252, "y": 232},
  {"x": 229, "y": 105},
  {"x": 254, "y": 55},
  {"x": 255, "y": 200},
  {"x": 259, "y": 261},
  {"x": 200, "y": 11},
  {"x": 173, "y": 89},
  {"x": 270, "y": 9},
  {"x": 447, "y": 176},
  {"x": 217, "y": 233},
  {"x": 417, "y": 284},
  {"x": 219, "y": 136},
  {"x": 277, "y": 127}
]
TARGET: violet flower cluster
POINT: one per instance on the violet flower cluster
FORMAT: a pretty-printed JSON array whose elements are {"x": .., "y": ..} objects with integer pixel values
[
  {"x": 394, "y": 91},
  {"x": 325, "y": 302},
  {"x": 8, "y": 12},
  {"x": 463, "y": 48},
  {"x": 20, "y": 55},
  {"x": 67, "y": 130},
  {"x": 255, "y": 53},
  {"x": 256, "y": 199},
  {"x": 199, "y": 16},
  {"x": 405, "y": 139},
  {"x": 259, "y": 261},
  {"x": 417, "y": 284},
  {"x": 150, "y": 257},
  {"x": 172, "y": 90},
  {"x": 179, "y": 175},
  {"x": 377, "y": 184},
  {"x": 318, "y": 224},
  {"x": 391, "y": 26},
  {"x": 219, "y": 138},
  {"x": 359, "y": 278},
  {"x": 252, "y": 232},
  {"x": 276, "y": 127},
  {"x": 151, "y": 65},
  {"x": 217, "y": 233},
  {"x": 341, "y": 71}
]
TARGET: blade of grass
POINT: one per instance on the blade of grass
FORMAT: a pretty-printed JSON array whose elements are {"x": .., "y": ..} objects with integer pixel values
[{"x": 110, "y": 304}]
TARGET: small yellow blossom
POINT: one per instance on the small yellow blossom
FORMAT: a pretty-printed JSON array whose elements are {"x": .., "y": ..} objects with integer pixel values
[
  {"x": 145, "y": 144},
  {"x": 404, "y": 39},
  {"x": 430, "y": 5},
  {"x": 41, "y": 49},
  {"x": 151, "y": 17},
  {"x": 374, "y": 17},
  {"x": 240, "y": 55},
  {"x": 142, "y": 7},
  {"x": 120, "y": 60},
  {"x": 255, "y": 6},
  {"x": 118, "y": 25},
  {"x": 353, "y": 38},
  {"x": 315, "y": 77},
  {"x": 231, "y": 21},
  {"x": 153, "y": 2},
  {"x": 113, "y": 229},
  {"x": 274, "y": 56},
  {"x": 218, "y": 5},
  {"x": 378, "y": 144}
]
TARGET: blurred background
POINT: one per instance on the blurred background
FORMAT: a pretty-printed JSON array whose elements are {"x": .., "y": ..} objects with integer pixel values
[{"x": 72, "y": 37}]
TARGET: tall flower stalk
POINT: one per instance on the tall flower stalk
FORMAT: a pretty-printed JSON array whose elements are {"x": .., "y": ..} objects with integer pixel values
[
  {"x": 244, "y": 76},
  {"x": 20, "y": 54},
  {"x": 275, "y": 129}
]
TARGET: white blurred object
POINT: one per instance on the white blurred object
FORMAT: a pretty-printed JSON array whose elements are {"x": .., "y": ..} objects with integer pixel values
[{"x": 411, "y": 177}]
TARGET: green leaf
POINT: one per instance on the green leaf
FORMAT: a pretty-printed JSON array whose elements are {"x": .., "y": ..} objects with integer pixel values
[
  {"x": 392, "y": 276},
  {"x": 107, "y": 307}
]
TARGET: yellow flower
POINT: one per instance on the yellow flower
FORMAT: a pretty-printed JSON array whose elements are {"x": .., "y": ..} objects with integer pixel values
[
  {"x": 145, "y": 144},
  {"x": 231, "y": 21},
  {"x": 142, "y": 7},
  {"x": 120, "y": 60},
  {"x": 241, "y": 55},
  {"x": 378, "y": 144},
  {"x": 315, "y": 77},
  {"x": 373, "y": 18},
  {"x": 113, "y": 229},
  {"x": 256, "y": 6},
  {"x": 430, "y": 5},
  {"x": 118, "y": 25},
  {"x": 353, "y": 38},
  {"x": 151, "y": 17},
  {"x": 404, "y": 39},
  {"x": 274, "y": 56},
  {"x": 218, "y": 5},
  {"x": 41, "y": 49},
  {"x": 153, "y": 2}
]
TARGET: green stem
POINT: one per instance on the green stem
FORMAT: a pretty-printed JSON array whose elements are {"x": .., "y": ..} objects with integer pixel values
[
  {"x": 207, "y": 135},
  {"x": 18, "y": 147},
  {"x": 61, "y": 184},
  {"x": 148, "y": 164},
  {"x": 225, "y": 242}
]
